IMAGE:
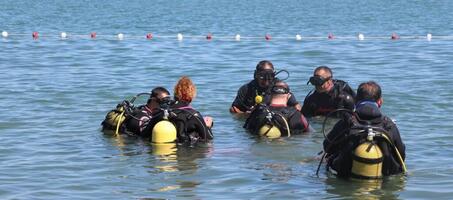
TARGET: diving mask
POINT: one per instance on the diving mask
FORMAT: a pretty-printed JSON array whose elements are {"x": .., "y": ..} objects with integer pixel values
[
  {"x": 279, "y": 90},
  {"x": 165, "y": 102},
  {"x": 318, "y": 80},
  {"x": 268, "y": 75}
]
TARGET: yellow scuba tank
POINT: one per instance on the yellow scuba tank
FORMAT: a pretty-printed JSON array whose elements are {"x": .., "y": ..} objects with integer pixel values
[
  {"x": 269, "y": 131},
  {"x": 115, "y": 116},
  {"x": 367, "y": 159},
  {"x": 164, "y": 132}
]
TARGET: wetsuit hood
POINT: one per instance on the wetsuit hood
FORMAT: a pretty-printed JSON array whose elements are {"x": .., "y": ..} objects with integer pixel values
[{"x": 368, "y": 110}]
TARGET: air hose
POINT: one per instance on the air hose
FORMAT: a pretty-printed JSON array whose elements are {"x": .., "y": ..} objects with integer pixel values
[
  {"x": 286, "y": 123},
  {"x": 403, "y": 164},
  {"x": 126, "y": 110},
  {"x": 119, "y": 123}
]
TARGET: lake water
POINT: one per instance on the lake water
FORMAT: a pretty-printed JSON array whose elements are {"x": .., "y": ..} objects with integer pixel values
[{"x": 56, "y": 92}]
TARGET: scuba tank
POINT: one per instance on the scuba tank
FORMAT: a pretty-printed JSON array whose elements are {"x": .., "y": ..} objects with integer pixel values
[
  {"x": 269, "y": 129},
  {"x": 367, "y": 159},
  {"x": 164, "y": 131},
  {"x": 116, "y": 116},
  {"x": 273, "y": 127},
  {"x": 367, "y": 155}
]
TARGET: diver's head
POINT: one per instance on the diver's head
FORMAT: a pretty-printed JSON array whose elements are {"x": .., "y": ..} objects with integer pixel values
[
  {"x": 159, "y": 96},
  {"x": 185, "y": 90},
  {"x": 280, "y": 93},
  {"x": 322, "y": 79},
  {"x": 369, "y": 91},
  {"x": 264, "y": 73}
]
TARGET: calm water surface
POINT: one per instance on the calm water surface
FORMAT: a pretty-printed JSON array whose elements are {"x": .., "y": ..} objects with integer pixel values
[{"x": 56, "y": 92}]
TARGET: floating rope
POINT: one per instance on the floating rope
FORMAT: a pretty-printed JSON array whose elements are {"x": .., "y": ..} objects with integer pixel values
[{"x": 237, "y": 37}]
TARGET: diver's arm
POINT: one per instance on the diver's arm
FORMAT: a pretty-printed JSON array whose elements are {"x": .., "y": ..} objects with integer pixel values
[
  {"x": 238, "y": 105},
  {"x": 292, "y": 102},
  {"x": 208, "y": 121},
  {"x": 308, "y": 107},
  {"x": 298, "y": 122},
  {"x": 201, "y": 127}
]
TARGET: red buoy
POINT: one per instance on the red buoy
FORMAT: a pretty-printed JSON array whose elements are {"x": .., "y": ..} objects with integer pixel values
[
  {"x": 209, "y": 36},
  {"x": 330, "y": 36},
  {"x": 35, "y": 35},
  {"x": 149, "y": 36},
  {"x": 395, "y": 36},
  {"x": 93, "y": 35},
  {"x": 268, "y": 37}
]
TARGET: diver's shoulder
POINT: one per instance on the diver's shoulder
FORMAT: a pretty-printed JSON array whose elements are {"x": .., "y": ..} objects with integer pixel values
[
  {"x": 388, "y": 119},
  {"x": 245, "y": 87},
  {"x": 340, "y": 82}
]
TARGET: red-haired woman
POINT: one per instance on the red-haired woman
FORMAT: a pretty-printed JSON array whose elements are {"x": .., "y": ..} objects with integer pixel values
[{"x": 190, "y": 124}]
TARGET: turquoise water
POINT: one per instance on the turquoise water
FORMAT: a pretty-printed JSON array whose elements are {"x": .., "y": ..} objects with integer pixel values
[{"x": 56, "y": 92}]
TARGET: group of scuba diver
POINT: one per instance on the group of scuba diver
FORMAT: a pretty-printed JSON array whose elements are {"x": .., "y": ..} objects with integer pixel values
[
  {"x": 364, "y": 143},
  {"x": 162, "y": 119}
]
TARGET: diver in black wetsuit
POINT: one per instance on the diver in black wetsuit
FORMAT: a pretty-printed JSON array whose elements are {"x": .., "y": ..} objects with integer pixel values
[
  {"x": 137, "y": 123},
  {"x": 261, "y": 84},
  {"x": 127, "y": 118},
  {"x": 277, "y": 113},
  {"x": 345, "y": 136},
  {"x": 330, "y": 94},
  {"x": 191, "y": 126}
]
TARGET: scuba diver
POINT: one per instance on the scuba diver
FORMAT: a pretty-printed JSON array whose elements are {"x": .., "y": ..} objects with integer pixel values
[
  {"x": 329, "y": 94},
  {"x": 137, "y": 122},
  {"x": 191, "y": 126},
  {"x": 367, "y": 144},
  {"x": 277, "y": 119},
  {"x": 127, "y": 118},
  {"x": 264, "y": 78}
]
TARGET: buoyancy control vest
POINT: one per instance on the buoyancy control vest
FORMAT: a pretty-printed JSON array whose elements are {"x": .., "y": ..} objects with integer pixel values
[
  {"x": 369, "y": 144},
  {"x": 189, "y": 124},
  {"x": 270, "y": 122}
]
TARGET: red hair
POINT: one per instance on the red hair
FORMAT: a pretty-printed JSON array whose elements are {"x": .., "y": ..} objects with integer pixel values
[{"x": 185, "y": 90}]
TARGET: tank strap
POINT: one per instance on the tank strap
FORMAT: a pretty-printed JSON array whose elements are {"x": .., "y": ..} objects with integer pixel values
[
  {"x": 364, "y": 177},
  {"x": 367, "y": 160}
]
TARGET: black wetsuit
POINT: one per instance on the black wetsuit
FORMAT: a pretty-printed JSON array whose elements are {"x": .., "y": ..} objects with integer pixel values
[
  {"x": 189, "y": 123},
  {"x": 138, "y": 124},
  {"x": 341, "y": 96},
  {"x": 340, "y": 144},
  {"x": 296, "y": 121},
  {"x": 246, "y": 94}
]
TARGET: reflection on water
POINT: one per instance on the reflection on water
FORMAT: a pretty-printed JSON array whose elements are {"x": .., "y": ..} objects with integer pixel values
[
  {"x": 166, "y": 156},
  {"x": 188, "y": 158},
  {"x": 277, "y": 172},
  {"x": 387, "y": 188},
  {"x": 164, "y": 161}
]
